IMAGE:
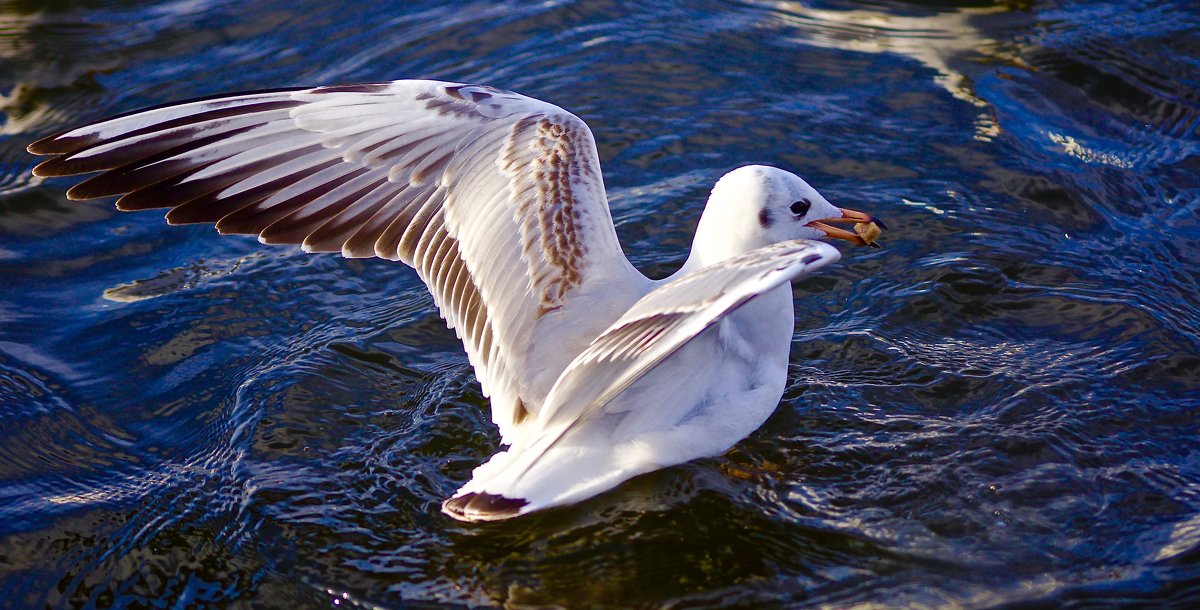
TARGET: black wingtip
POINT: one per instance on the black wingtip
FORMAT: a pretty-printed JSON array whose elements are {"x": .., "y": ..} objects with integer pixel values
[
  {"x": 50, "y": 145},
  {"x": 483, "y": 507},
  {"x": 40, "y": 147}
]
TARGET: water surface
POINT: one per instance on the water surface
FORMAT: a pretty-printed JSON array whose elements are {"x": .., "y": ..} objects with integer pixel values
[{"x": 998, "y": 409}]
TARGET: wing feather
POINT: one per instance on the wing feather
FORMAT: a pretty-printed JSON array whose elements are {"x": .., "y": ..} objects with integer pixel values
[
  {"x": 297, "y": 226},
  {"x": 494, "y": 198}
]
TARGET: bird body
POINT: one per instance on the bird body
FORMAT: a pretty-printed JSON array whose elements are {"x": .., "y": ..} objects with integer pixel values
[
  {"x": 712, "y": 392},
  {"x": 595, "y": 372}
]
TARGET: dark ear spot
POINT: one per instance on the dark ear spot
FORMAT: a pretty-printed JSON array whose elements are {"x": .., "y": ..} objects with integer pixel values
[
  {"x": 800, "y": 208},
  {"x": 764, "y": 218}
]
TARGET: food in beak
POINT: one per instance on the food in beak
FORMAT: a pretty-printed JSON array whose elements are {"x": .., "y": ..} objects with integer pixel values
[
  {"x": 866, "y": 228},
  {"x": 868, "y": 231}
]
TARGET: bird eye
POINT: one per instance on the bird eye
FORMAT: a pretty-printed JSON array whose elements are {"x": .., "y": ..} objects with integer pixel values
[{"x": 800, "y": 208}]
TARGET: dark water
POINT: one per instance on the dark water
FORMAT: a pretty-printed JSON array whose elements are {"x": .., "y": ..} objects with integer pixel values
[{"x": 1002, "y": 408}]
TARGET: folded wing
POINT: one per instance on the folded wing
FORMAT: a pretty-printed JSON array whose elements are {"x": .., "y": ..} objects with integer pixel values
[
  {"x": 665, "y": 320},
  {"x": 496, "y": 200}
]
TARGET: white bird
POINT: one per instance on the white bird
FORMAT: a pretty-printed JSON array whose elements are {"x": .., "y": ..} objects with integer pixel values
[{"x": 596, "y": 373}]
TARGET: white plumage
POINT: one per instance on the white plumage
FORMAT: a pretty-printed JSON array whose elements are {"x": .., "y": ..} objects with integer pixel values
[{"x": 595, "y": 373}]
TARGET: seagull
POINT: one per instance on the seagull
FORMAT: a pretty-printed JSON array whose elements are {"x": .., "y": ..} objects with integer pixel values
[{"x": 595, "y": 373}]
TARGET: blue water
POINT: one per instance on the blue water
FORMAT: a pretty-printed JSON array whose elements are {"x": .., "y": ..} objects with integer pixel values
[{"x": 1001, "y": 408}]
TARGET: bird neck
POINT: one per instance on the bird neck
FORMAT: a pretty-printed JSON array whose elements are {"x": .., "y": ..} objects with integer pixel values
[{"x": 724, "y": 231}]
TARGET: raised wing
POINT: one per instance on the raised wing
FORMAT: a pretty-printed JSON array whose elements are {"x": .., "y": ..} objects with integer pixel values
[
  {"x": 664, "y": 321},
  {"x": 496, "y": 200}
]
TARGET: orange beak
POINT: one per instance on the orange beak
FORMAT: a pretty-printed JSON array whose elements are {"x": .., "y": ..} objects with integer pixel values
[{"x": 848, "y": 216}]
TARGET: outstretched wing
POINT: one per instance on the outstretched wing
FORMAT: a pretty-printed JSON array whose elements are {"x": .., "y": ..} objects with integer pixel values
[
  {"x": 496, "y": 200},
  {"x": 664, "y": 321}
]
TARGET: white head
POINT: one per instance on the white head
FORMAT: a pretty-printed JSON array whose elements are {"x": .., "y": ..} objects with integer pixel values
[{"x": 757, "y": 205}]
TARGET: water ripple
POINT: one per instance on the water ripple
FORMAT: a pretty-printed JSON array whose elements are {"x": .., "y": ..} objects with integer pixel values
[{"x": 998, "y": 409}]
